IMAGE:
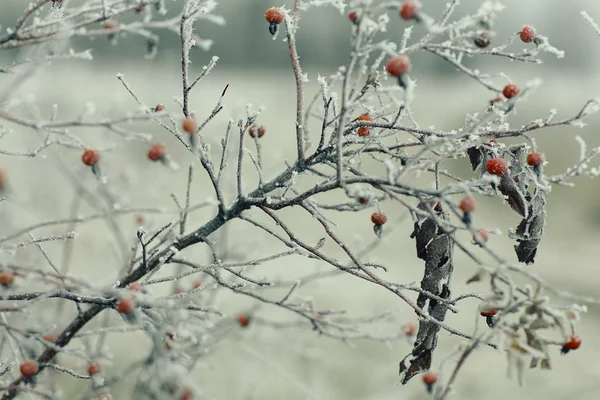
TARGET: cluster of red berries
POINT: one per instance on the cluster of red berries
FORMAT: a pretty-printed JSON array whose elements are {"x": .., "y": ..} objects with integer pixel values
[
  {"x": 364, "y": 130},
  {"x": 180, "y": 289}
]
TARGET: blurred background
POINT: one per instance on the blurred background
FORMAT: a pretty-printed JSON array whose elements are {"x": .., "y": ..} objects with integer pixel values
[{"x": 266, "y": 363}]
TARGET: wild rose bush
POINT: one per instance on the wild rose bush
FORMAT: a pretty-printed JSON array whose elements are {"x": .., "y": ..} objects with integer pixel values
[{"x": 369, "y": 154}]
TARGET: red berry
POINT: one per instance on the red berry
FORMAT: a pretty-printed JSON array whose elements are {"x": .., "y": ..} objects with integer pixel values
[
  {"x": 497, "y": 166},
  {"x": 157, "y": 151},
  {"x": 467, "y": 205},
  {"x": 139, "y": 219},
  {"x": 255, "y": 131},
  {"x": 353, "y": 16},
  {"x": 430, "y": 377},
  {"x": 49, "y": 338},
  {"x": 398, "y": 65},
  {"x": 187, "y": 394},
  {"x": 573, "y": 343},
  {"x": 90, "y": 157},
  {"x": 364, "y": 130},
  {"x": 135, "y": 287},
  {"x": 409, "y": 329},
  {"x": 363, "y": 200},
  {"x": 378, "y": 218},
  {"x": 190, "y": 125},
  {"x": 510, "y": 91},
  {"x": 125, "y": 305},
  {"x": 483, "y": 40},
  {"x": 6, "y": 278},
  {"x": 110, "y": 24},
  {"x": 2, "y": 178},
  {"x": 274, "y": 15},
  {"x": 496, "y": 100},
  {"x": 409, "y": 9},
  {"x": 93, "y": 368},
  {"x": 483, "y": 235},
  {"x": 197, "y": 284},
  {"x": 535, "y": 159},
  {"x": 488, "y": 313},
  {"x": 243, "y": 320},
  {"x": 159, "y": 107},
  {"x": 29, "y": 368},
  {"x": 527, "y": 34}
]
